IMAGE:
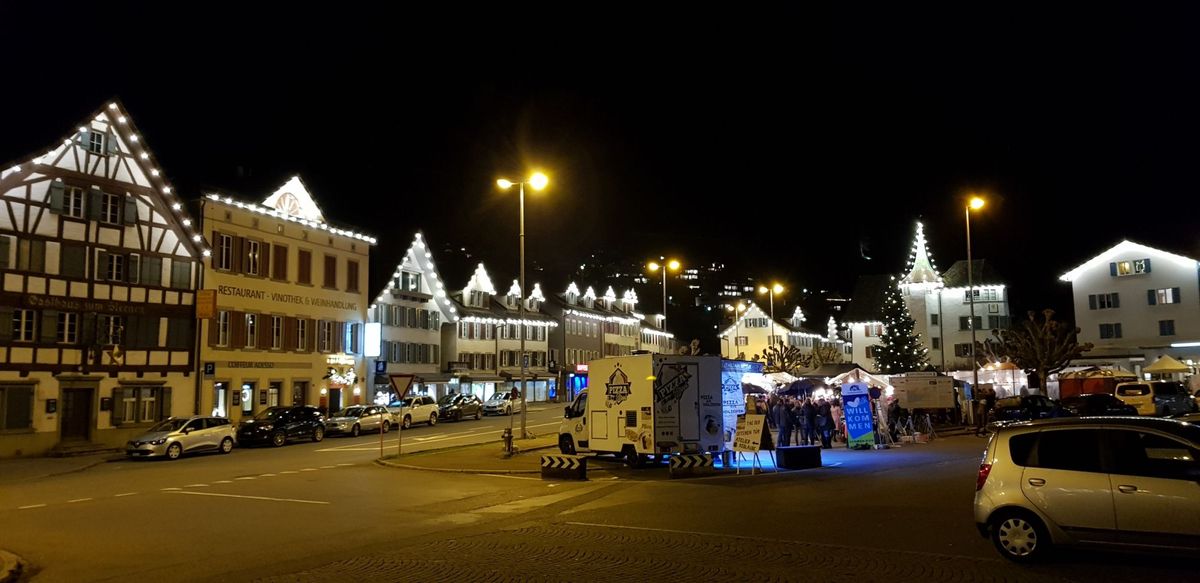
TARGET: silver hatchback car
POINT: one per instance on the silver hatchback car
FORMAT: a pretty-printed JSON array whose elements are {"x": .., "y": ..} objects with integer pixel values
[
  {"x": 1092, "y": 481},
  {"x": 176, "y": 436}
]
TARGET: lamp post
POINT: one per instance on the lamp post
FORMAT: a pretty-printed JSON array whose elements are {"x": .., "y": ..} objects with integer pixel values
[
  {"x": 975, "y": 203},
  {"x": 672, "y": 265},
  {"x": 774, "y": 289},
  {"x": 537, "y": 181},
  {"x": 737, "y": 315}
]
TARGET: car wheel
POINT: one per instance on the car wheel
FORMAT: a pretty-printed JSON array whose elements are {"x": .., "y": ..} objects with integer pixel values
[
  {"x": 355, "y": 431},
  {"x": 318, "y": 433},
  {"x": 566, "y": 445},
  {"x": 407, "y": 423},
  {"x": 1020, "y": 537},
  {"x": 174, "y": 451},
  {"x": 632, "y": 458},
  {"x": 508, "y": 410},
  {"x": 432, "y": 419},
  {"x": 278, "y": 439},
  {"x": 386, "y": 427},
  {"x": 226, "y": 445},
  {"x": 458, "y": 415},
  {"x": 478, "y": 414}
]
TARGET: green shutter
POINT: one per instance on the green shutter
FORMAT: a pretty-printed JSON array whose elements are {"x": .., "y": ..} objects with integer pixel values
[
  {"x": 6, "y": 326},
  {"x": 101, "y": 265},
  {"x": 165, "y": 403},
  {"x": 110, "y": 144},
  {"x": 72, "y": 261},
  {"x": 49, "y": 331},
  {"x": 152, "y": 271},
  {"x": 37, "y": 256},
  {"x": 131, "y": 215},
  {"x": 95, "y": 199},
  {"x": 1150, "y": 297},
  {"x": 118, "y": 406},
  {"x": 5, "y": 244},
  {"x": 56, "y": 196}
]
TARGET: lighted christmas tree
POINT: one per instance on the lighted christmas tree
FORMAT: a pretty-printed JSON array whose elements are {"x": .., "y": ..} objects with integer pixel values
[{"x": 899, "y": 349}]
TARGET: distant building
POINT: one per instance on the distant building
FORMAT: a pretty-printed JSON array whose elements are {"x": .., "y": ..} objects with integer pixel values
[
  {"x": 1135, "y": 303},
  {"x": 753, "y": 332}
]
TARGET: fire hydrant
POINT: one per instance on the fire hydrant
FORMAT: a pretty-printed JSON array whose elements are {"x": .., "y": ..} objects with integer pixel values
[{"x": 507, "y": 436}]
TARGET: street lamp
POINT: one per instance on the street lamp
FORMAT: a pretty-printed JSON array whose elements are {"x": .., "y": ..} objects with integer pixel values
[
  {"x": 671, "y": 265},
  {"x": 975, "y": 204},
  {"x": 774, "y": 289},
  {"x": 537, "y": 181},
  {"x": 737, "y": 315}
]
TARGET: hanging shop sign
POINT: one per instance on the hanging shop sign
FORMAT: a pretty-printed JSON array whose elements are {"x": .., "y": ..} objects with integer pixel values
[{"x": 856, "y": 407}]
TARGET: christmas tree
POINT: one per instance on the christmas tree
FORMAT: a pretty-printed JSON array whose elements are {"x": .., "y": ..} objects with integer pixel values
[{"x": 899, "y": 349}]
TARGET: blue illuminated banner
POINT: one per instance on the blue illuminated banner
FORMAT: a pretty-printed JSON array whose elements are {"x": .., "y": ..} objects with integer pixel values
[{"x": 856, "y": 403}]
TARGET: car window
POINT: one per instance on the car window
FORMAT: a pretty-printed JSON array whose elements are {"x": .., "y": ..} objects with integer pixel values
[
  {"x": 194, "y": 424},
  {"x": 1133, "y": 390},
  {"x": 1168, "y": 389},
  {"x": 1020, "y": 447},
  {"x": 214, "y": 422},
  {"x": 1068, "y": 449},
  {"x": 1137, "y": 453}
]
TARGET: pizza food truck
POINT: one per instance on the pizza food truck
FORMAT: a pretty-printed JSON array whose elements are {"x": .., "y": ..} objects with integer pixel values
[{"x": 647, "y": 404}]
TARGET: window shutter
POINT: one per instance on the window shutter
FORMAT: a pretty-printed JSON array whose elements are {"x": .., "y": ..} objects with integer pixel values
[
  {"x": 263, "y": 338},
  {"x": 56, "y": 196},
  {"x": 312, "y": 335},
  {"x": 151, "y": 327},
  {"x": 289, "y": 333},
  {"x": 5, "y": 244},
  {"x": 95, "y": 199},
  {"x": 214, "y": 325},
  {"x": 87, "y": 328},
  {"x": 133, "y": 272},
  {"x": 37, "y": 256},
  {"x": 1116, "y": 300},
  {"x": 1151, "y": 298},
  {"x": 1175, "y": 294},
  {"x": 264, "y": 259},
  {"x": 1147, "y": 260},
  {"x": 1116, "y": 330},
  {"x": 339, "y": 337},
  {"x": 118, "y": 408},
  {"x": 1112, "y": 268},
  {"x": 110, "y": 144},
  {"x": 101, "y": 265},
  {"x": 236, "y": 255},
  {"x": 279, "y": 255},
  {"x": 131, "y": 216},
  {"x": 237, "y": 329},
  {"x": 49, "y": 332},
  {"x": 165, "y": 402},
  {"x": 71, "y": 260},
  {"x": 85, "y": 138},
  {"x": 132, "y": 334},
  {"x": 152, "y": 271}
]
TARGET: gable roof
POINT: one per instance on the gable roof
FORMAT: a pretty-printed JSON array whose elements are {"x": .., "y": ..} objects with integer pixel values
[
  {"x": 982, "y": 273},
  {"x": 292, "y": 212},
  {"x": 117, "y": 118},
  {"x": 866, "y": 303},
  {"x": 920, "y": 268},
  {"x": 1119, "y": 250},
  {"x": 294, "y": 199},
  {"x": 419, "y": 257}
]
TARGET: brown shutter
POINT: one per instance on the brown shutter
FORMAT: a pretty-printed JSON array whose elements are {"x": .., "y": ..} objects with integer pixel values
[
  {"x": 237, "y": 329},
  {"x": 280, "y": 256},
  {"x": 289, "y": 333},
  {"x": 312, "y": 335},
  {"x": 304, "y": 266},
  {"x": 213, "y": 325},
  {"x": 264, "y": 254},
  {"x": 264, "y": 331},
  {"x": 237, "y": 255}
]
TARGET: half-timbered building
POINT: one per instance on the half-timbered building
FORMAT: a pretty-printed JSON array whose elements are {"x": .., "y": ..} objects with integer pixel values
[{"x": 98, "y": 272}]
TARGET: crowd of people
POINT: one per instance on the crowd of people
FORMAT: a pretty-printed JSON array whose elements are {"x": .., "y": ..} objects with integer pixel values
[{"x": 805, "y": 421}]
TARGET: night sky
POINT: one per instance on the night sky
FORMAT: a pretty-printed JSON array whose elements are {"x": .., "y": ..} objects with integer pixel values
[{"x": 793, "y": 144}]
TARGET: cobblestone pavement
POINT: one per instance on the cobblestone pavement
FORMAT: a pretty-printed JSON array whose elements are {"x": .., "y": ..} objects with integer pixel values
[{"x": 583, "y": 552}]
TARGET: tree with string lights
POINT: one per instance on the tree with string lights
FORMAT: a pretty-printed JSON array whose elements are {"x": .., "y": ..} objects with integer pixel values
[{"x": 900, "y": 349}]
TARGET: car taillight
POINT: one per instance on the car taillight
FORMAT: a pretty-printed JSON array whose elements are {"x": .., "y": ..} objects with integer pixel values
[{"x": 984, "y": 470}]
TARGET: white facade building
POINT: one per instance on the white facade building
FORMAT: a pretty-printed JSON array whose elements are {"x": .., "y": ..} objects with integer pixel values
[
  {"x": 751, "y": 334},
  {"x": 1135, "y": 303}
]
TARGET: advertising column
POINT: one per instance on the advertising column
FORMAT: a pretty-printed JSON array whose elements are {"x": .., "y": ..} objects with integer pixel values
[{"x": 856, "y": 402}]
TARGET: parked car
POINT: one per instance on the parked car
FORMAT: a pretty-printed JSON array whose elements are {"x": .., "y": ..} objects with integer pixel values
[
  {"x": 176, "y": 436},
  {"x": 1156, "y": 397},
  {"x": 1090, "y": 481},
  {"x": 502, "y": 403},
  {"x": 1093, "y": 404},
  {"x": 354, "y": 420},
  {"x": 276, "y": 425},
  {"x": 414, "y": 409},
  {"x": 459, "y": 406},
  {"x": 1028, "y": 407}
]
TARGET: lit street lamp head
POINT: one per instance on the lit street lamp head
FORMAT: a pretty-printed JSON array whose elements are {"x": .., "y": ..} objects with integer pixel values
[
  {"x": 673, "y": 265},
  {"x": 652, "y": 266},
  {"x": 976, "y": 203},
  {"x": 538, "y": 181},
  {"x": 777, "y": 289},
  {"x": 504, "y": 184}
]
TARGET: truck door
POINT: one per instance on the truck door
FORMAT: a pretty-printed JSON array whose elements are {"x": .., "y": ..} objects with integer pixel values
[{"x": 577, "y": 421}]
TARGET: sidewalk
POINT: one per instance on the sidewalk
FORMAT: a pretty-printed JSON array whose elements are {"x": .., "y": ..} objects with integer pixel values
[
  {"x": 34, "y": 468},
  {"x": 483, "y": 458}
]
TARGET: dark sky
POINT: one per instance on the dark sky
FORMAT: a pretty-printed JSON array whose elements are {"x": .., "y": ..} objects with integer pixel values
[{"x": 776, "y": 141}]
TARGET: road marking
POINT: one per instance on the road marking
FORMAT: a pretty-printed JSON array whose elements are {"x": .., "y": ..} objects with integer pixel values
[
  {"x": 266, "y": 475},
  {"x": 328, "y": 467},
  {"x": 289, "y": 472},
  {"x": 78, "y": 500},
  {"x": 512, "y": 477},
  {"x": 222, "y": 482},
  {"x": 31, "y": 506},
  {"x": 345, "y": 464},
  {"x": 125, "y": 494},
  {"x": 171, "y": 489},
  {"x": 309, "y": 470},
  {"x": 246, "y": 478},
  {"x": 256, "y": 497},
  {"x": 196, "y": 486}
]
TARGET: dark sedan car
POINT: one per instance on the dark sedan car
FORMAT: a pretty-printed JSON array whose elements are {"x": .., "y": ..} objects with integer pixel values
[
  {"x": 458, "y": 407},
  {"x": 1028, "y": 408},
  {"x": 276, "y": 425},
  {"x": 1094, "y": 404}
]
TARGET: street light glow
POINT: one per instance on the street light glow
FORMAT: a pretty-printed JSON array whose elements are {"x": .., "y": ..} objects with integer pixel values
[
  {"x": 652, "y": 266},
  {"x": 538, "y": 181},
  {"x": 762, "y": 289},
  {"x": 504, "y": 183},
  {"x": 777, "y": 289},
  {"x": 976, "y": 203},
  {"x": 673, "y": 265}
]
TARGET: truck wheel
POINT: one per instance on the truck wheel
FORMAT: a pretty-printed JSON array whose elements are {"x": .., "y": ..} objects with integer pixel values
[
  {"x": 632, "y": 458},
  {"x": 566, "y": 445}
]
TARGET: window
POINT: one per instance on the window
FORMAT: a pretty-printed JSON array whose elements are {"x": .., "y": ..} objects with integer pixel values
[
  {"x": 181, "y": 274},
  {"x": 141, "y": 405},
  {"x": 352, "y": 276},
  {"x": 998, "y": 322},
  {"x": 1110, "y": 330},
  {"x": 110, "y": 329},
  {"x": 68, "y": 328},
  {"x": 31, "y": 255},
  {"x": 251, "y": 330},
  {"x": 95, "y": 142},
  {"x": 351, "y": 340},
  {"x": 1168, "y": 295},
  {"x": 224, "y": 252},
  {"x": 22, "y": 325},
  {"x": 222, "y": 328},
  {"x": 962, "y": 349},
  {"x": 301, "y": 334},
  {"x": 114, "y": 267},
  {"x": 410, "y": 281},
  {"x": 871, "y": 351},
  {"x": 273, "y": 391},
  {"x": 276, "y": 332},
  {"x": 73, "y": 202},
  {"x": 933, "y": 319},
  {"x": 743, "y": 340},
  {"x": 181, "y": 332},
  {"x": 279, "y": 263},
  {"x": 324, "y": 336},
  {"x": 110, "y": 207},
  {"x": 1103, "y": 301},
  {"x": 1075, "y": 450},
  {"x": 1145, "y": 454},
  {"x": 981, "y": 295},
  {"x": 1133, "y": 267},
  {"x": 964, "y": 322},
  {"x": 330, "y": 272},
  {"x": 1166, "y": 327},
  {"x": 252, "y": 256},
  {"x": 304, "y": 267},
  {"x": 16, "y": 407}
]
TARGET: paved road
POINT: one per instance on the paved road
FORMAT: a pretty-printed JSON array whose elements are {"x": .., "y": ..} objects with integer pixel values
[{"x": 898, "y": 515}]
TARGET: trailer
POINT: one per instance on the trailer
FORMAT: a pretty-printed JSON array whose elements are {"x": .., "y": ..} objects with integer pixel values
[
  {"x": 1092, "y": 380},
  {"x": 647, "y": 404}
]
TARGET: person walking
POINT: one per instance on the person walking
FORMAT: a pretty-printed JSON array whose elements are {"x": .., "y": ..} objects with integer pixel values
[
  {"x": 810, "y": 422},
  {"x": 836, "y": 411},
  {"x": 783, "y": 423},
  {"x": 825, "y": 423}
]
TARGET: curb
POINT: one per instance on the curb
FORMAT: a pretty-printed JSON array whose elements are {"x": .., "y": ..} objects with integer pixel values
[
  {"x": 11, "y": 567},
  {"x": 392, "y": 464}
]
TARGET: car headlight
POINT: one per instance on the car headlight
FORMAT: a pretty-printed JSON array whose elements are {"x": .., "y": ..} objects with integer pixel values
[{"x": 158, "y": 441}]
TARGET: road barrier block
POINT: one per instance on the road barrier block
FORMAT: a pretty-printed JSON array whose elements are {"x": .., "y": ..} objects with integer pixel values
[
  {"x": 690, "y": 465},
  {"x": 564, "y": 467},
  {"x": 798, "y": 457}
]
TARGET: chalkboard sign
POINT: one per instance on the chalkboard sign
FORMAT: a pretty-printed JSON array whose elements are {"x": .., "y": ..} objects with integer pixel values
[{"x": 749, "y": 433}]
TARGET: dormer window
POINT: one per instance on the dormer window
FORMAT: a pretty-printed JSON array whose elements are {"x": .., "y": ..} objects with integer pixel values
[
  {"x": 572, "y": 299},
  {"x": 475, "y": 299},
  {"x": 410, "y": 281},
  {"x": 510, "y": 301},
  {"x": 531, "y": 305}
]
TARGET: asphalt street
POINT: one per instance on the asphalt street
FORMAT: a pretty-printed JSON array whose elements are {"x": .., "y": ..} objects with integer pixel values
[{"x": 312, "y": 513}]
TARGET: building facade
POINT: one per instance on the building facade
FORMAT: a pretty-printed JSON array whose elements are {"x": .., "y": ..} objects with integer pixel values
[
  {"x": 1135, "y": 303},
  {"x": 291, "y": 303},
  {"x": 99, "y": 265},
  {"x": 577, "y": 339},
  {"x": 751, "y": 334}
]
